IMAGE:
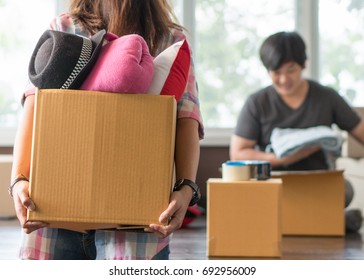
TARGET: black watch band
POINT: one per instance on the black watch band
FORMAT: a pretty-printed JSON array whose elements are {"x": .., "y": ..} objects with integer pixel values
[{"x": 195, "y": 188}]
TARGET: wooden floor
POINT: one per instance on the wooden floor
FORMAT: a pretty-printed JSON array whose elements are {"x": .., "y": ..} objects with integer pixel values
[{"x": 190, "y": 244}]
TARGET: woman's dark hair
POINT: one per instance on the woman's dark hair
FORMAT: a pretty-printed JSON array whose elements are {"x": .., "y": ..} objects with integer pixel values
[
  {"x": 151, "y": 19},
  {"x": 281, "y": 48}
]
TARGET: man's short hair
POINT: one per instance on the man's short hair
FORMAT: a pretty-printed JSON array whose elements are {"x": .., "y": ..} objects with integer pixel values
[{"x": 283, "y": 47}]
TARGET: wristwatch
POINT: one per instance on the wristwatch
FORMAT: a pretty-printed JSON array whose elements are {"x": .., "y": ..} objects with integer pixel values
[{"x": 196, "y": 190}]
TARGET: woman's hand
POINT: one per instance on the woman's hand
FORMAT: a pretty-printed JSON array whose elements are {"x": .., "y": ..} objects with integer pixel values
[
  {"x": 174, "y": 214},
  {"x": 22, "y": 203}
]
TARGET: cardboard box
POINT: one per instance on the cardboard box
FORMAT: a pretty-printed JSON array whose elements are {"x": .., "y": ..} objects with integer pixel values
[
  {"x": 313, "y": 202},
  {"x": 101, "y": 160},
  {"x": 244, "y": 218},
  {"x": 7, "y": 209}
]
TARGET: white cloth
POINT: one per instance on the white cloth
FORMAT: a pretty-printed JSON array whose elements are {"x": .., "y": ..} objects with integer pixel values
[{"x": 290, "y": 140}]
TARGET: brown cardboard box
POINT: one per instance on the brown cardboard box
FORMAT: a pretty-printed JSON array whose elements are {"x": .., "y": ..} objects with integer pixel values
[
  {"x": 313, "y": 202},
  {"x": 244, "y": 218},
  {"x": 7, "y": 209},
  {"x": 101, "y": 160}
]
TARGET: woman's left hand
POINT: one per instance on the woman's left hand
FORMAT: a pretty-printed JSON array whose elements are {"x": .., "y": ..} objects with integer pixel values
[
  {"x": 186, "y": 161},
  {"x": 171, "y": 219}
]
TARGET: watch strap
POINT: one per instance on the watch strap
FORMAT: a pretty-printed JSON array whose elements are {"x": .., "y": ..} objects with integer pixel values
[{"x": 195, "y": 189}]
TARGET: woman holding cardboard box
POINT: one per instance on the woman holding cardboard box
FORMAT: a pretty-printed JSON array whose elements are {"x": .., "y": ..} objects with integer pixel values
[{"x": 154, "y": 21}]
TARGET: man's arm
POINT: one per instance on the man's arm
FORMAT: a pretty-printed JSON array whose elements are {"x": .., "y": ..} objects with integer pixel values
[
  {"x": 358, "y": 132},
  {"x": 243, "y": 149}
]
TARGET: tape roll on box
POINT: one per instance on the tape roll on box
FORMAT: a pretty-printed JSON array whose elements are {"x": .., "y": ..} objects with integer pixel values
[
  {"x": 235, "y": 171},
  {"x": 246, "y": 170},
  {"x": 259, "y": 170}
]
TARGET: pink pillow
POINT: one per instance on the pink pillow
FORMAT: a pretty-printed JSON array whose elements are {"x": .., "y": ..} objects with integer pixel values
[
  {"x": 171, "y": 68},
  {"x": 124, "y": 66}
]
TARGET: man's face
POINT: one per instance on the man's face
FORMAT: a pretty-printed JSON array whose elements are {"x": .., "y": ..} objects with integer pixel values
[{"x": 287, "y": 79}]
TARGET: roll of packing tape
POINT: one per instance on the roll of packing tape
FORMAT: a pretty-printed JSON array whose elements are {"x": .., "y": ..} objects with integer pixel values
[
  {"x": 235, "y": 171},
  {"x": 259, "y": 170},
  {"x": 245, "y": 170}
]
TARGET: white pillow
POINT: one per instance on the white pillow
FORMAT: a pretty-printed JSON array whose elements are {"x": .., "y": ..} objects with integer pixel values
[{"x": 171, "y": 68}]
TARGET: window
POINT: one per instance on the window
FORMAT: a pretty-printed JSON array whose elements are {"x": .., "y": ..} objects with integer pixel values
[
  {"x": 227, "y": 35},
  {"x": 21, "y": 24},
  {"x": 341, "y": 48}
]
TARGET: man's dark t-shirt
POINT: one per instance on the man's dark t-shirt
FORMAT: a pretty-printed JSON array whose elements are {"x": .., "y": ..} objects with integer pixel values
[{"x": 265, "y": 110}]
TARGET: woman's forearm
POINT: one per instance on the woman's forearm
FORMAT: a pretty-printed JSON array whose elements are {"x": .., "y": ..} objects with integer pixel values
[
  {"x": 23, "y": 141},
  {"x": 187, "y": 149}
]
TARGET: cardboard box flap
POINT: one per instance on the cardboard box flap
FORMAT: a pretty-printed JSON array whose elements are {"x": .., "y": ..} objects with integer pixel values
[
  {"x": 305, "y": 172},
  {"x": 109, "y": 152}
]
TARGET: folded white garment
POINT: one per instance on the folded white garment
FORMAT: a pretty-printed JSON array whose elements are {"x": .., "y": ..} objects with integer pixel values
[{"x": 290, "y": 140}]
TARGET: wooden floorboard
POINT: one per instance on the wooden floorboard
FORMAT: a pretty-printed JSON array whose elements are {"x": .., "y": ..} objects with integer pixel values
[{"x": 190, "y": 244}]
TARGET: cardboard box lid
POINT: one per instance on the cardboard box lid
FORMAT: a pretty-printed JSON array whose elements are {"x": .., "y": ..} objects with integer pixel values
[
  {"x": 265, "y": 183},
  {"x": 277, "y": 174},
  {"x": 101, "y": 158}
]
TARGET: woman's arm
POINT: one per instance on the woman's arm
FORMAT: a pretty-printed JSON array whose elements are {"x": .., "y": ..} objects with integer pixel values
[
  {"x": 21, "y": 167},
  {"x": 187, "y": 159}
]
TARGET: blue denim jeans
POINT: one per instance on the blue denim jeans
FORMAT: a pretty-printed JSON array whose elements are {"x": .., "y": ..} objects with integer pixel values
[
  {"x": 72, "y": 245},
  {"x": 163, "y": 254}
]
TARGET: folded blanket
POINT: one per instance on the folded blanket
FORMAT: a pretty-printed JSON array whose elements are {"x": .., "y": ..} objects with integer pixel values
[{"x": 290, "y": 140}]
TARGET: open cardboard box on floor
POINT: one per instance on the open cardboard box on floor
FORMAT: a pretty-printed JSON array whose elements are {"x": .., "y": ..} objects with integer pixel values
[
  {"x": 101, "y": 160},
  {"x": 312, "y": 202},
  {"x": 244, "y": 218}
]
